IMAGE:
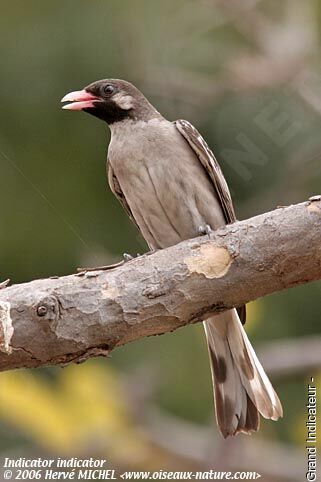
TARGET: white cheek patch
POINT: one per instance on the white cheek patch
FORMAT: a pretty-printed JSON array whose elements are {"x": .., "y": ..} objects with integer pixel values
[{"x": 124, "y": 101}]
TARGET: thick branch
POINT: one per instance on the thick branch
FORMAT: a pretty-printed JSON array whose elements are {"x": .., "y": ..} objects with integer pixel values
[{"x": 72, "y": 318}]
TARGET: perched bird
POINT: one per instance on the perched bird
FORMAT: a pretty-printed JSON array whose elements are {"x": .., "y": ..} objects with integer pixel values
[{"x": 171, "y": 186}]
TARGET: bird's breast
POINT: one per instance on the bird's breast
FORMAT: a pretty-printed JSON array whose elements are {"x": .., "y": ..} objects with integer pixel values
[{"x": 165, "y": 186}]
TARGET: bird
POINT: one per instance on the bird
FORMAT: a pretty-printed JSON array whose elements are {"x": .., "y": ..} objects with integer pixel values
[{"x": 171, "y": 186}]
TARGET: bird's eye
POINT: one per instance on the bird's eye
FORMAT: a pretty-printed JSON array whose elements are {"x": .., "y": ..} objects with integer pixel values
[{"x": 109, "y": 89}]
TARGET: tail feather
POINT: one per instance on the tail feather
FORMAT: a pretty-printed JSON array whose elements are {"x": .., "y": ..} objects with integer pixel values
[
  {"x": 242, "y": 389},
  {"x": 252, "y": 421},
  {"x": 225, "y": 387},
  {"x": 253, "y": 376}
]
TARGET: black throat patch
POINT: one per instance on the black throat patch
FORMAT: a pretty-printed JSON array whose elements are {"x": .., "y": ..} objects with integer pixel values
[{"x": 109, "y": 111}]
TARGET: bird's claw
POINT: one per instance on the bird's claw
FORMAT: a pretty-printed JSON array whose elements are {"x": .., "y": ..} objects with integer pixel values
[
  {"x": 129, "y": 257},
  {"x": 205, "y": 230}
]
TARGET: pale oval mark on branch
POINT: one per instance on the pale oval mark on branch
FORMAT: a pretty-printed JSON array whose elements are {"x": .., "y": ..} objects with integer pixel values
[{"x": 211, "y": 261}]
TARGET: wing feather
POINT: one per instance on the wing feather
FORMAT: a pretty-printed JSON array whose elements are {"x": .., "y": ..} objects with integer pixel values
[
  {"x": 116, "y": 189},
  {"x": 213, "y": 170},
  {"x": 210, "y": 164}
]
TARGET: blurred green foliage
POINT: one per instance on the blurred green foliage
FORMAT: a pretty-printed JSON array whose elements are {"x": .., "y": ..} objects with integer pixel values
[{"x": 223, "y": 69}]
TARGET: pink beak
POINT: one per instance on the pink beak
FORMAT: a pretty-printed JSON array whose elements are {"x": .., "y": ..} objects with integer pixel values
[{"x": 80, "y": 99}]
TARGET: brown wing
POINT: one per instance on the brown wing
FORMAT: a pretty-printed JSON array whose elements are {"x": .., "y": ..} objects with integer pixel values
[
  {"x": 210, "y": 164},
  {"x": 116, "y": 189}
]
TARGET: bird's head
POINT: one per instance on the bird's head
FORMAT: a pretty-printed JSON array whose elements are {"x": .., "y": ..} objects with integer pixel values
[{"x": 111, "y": 100}]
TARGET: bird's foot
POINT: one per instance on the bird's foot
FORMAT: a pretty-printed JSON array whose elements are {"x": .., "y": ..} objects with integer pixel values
[
  {"x": 129, "y": 257},
  {"x": 205, "y": 230}
]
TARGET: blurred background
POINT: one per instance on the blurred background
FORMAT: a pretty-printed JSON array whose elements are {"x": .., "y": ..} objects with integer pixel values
[{"x": 247, "y": 74}]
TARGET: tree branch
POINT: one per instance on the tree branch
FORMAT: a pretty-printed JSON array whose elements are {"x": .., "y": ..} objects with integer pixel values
[{"x": 61, "y": 320}]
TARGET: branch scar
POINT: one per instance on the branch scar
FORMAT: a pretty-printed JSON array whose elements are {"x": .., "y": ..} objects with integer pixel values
[
  {"x": 110, "y": 291},
  {"x": 211, "y": 261}
]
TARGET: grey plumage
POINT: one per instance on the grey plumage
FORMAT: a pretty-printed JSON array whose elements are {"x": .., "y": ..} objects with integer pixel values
[
  {"x": 170, "y": 185},
  {"x": 166, "y": 188}
]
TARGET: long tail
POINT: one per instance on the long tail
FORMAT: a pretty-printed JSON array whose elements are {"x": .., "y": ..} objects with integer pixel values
[{"x": 242, "y": 390}]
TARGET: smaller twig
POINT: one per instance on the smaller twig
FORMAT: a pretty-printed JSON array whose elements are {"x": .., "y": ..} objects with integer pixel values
[
  {"x": 83, "y": 271},
  {"x": 4, "y": 284}
]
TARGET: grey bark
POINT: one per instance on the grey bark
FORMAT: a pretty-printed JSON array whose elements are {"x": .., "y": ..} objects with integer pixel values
[{"x": 69, "y": 319}]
